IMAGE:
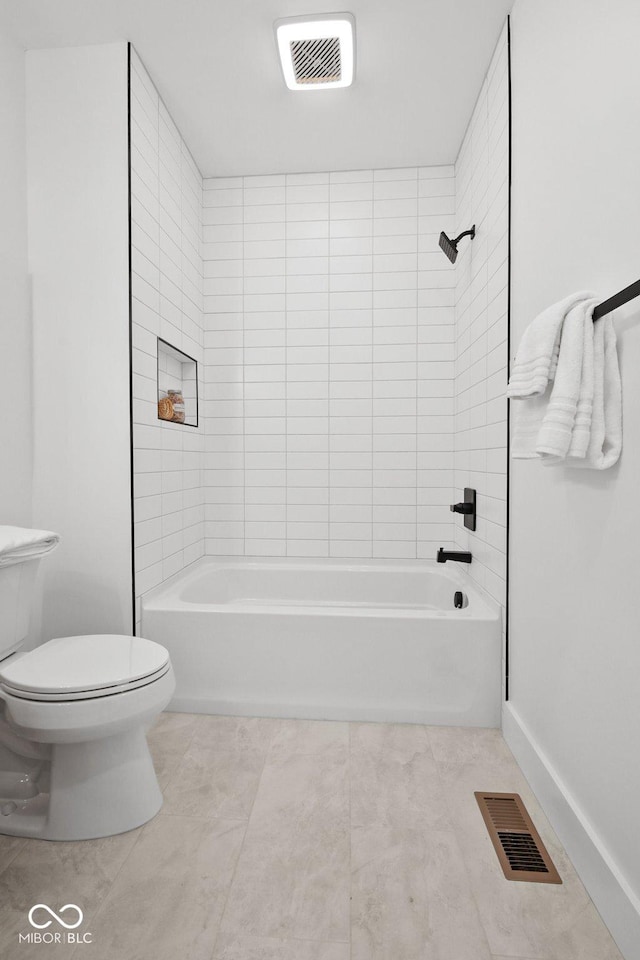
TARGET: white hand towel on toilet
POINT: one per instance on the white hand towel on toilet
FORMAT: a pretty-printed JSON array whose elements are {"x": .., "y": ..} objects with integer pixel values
[{"x": 21, "y": 543}]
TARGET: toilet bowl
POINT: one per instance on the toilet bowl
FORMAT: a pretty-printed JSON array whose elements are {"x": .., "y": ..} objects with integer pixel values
[
  {"x": 76, "y": 709},
  {"x": 74, "y": 760}
]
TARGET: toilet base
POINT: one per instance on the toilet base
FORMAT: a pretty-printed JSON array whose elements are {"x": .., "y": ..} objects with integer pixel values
[{"x": 96, "y": 789}]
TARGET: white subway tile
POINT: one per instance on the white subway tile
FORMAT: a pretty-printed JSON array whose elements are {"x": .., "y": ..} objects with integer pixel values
[
  {"x": 267, "y": 213},
  {"x": 307, "y": 192},
  {"x": 351, "y": 210},
  {"x": 351, "y": 176},
  {"x": 354, "y": 191},
  {"x": 350, "y": 228},
  {"x": 263, "y": 195},
  {"x": 317, "y": 247},
  {"x": 229, "y": 197},
  {"x": 307, "y": 229},
  {"x": 307, "y": 211},
  {"x": 395, "y": 189}
]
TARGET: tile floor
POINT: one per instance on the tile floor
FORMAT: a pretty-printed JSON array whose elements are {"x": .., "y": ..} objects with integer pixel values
[{"x": 304, "y": 840}]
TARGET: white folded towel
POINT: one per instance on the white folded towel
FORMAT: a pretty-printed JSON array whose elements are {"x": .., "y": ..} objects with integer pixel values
[
  {"x": 533, "y": 372},
  {"x": 537, "y": 355},
  {"x": 20, "y": 543},
  {"x": 605, "y": 442},
  {"x": 576, "y": 416},
  {"x": 566, "y": 426},
  {"x": 581, "y": 433}
]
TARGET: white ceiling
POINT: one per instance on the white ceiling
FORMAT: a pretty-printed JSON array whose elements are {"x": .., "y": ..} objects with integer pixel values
[{"x": 420, "y": 64}]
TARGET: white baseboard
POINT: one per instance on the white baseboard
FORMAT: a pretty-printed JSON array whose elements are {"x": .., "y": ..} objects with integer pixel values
[
  {"x": 318, "y": 711},
  {"x": 615, "y": 901}
]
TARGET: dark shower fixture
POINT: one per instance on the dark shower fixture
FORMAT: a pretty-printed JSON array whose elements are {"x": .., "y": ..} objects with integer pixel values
[{"x": 450, "y": 247}]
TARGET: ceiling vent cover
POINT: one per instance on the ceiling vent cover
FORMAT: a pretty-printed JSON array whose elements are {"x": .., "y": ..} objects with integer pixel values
[
  {"x": 316, "y": 61},
  {"x": 317, "y": 52}
]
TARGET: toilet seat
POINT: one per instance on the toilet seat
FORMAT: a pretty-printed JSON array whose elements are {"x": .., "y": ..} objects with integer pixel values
[
  {"x": 84, "y": 668},
  {"x": 60, "y": 697}
]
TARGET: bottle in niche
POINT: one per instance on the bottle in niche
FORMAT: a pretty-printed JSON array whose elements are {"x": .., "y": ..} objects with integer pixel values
[
  {"x": 177, "y": 400},
  {"x": 165, "y": 406}
]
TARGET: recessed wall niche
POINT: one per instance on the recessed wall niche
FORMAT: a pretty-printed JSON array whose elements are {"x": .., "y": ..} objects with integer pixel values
[{"x": 177, "y": 386}]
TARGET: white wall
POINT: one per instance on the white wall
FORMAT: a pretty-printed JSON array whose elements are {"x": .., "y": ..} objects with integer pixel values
[
  {"x": 166, "y": 227},
  {"x": 78, "y": 243},
  {"x": 482, "y": 198},
  {"x": 575, "y": 565},
  {"x": 15, "y": 320},
  {"x": 330, "y": 363}
]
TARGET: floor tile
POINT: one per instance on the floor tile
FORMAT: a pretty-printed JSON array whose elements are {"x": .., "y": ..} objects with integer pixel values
[
  {"x": 292, "y": 879},
  {"x": 309, "y": 737},
  {"x": 168, "y": 898},
  {"x": 56, "y": 874},
  {"x": 219, "y": 773},
  {"x": 168, "y": 741},
  {"x": 9, "y": 849},
  {"x": 394, "y": 778},
  {"x": 467, "y": 744},
  {"x": 237, "y": 733},
  {"x": 230, "y": 947},
  {"x": 411, "y": 898},
  {"x": 211, "y": 782},
  {"x": 410, "y": 894}
]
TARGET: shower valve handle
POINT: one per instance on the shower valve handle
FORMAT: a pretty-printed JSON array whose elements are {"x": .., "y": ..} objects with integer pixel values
[{"x": 467, "y": 508}]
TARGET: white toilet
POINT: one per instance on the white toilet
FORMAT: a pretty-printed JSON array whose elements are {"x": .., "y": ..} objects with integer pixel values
[{"x": 74, "y": 760}]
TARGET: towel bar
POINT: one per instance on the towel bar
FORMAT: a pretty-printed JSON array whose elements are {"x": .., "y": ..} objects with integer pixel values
[{"x": 617, "y": 300}]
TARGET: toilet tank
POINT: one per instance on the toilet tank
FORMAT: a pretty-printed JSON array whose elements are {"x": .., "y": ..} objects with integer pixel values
[{"x": 17, "y": 587}]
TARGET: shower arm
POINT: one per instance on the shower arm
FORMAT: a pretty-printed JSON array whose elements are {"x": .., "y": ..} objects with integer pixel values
[{"x": 466, "y": 233}]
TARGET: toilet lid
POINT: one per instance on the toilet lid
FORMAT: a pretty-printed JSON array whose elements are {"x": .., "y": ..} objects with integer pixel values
[{"x": 71, "y": 665}]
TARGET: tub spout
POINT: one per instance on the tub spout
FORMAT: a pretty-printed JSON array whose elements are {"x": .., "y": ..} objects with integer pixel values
[{"x": 460, "y": 555}]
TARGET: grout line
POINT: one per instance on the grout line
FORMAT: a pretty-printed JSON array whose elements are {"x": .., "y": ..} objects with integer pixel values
[
  {"x": 372, "y": 424},
  {"x": 286, "y": 374},
  {"x": 417, "y": 362},
  {"x": 330, "y": 264},
  {"x": 244, "y": 419},
  {"x": 131, "y": 444}
]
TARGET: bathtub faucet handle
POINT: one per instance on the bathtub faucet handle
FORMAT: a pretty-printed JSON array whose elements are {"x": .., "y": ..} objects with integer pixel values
[{"x": 462, "y": 508}]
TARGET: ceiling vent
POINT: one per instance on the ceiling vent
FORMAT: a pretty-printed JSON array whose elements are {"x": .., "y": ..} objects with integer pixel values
[{"x": 317, "y": 52}]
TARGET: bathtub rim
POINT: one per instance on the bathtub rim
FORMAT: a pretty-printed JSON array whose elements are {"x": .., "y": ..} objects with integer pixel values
[{"x": 165, "y": 596}]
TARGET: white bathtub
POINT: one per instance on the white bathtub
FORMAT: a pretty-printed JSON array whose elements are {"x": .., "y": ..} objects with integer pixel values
[{"x": 373, "y": 640}]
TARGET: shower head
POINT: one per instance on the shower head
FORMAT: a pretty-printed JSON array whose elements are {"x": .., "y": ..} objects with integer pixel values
[{"x": 450, "y": 247}]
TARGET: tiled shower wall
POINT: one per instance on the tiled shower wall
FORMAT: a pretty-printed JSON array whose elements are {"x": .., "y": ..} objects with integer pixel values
[
  {"x": 329, "y": 350},
  {"x": 482, "y": 197},
  {"x": 166, "y": 204},
  {"x": 352, "y": 379}
]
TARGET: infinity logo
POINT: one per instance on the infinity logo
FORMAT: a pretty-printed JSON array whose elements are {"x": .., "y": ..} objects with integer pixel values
[{"x": 56, "y": 916}]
